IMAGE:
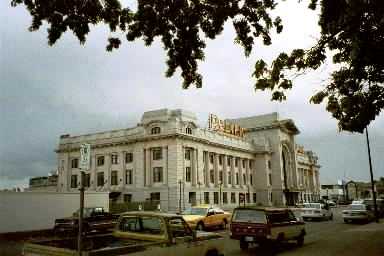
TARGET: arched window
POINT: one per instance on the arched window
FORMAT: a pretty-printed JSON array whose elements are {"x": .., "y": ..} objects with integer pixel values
[
  {"x": 188, "y": 130},
  {"x": 155, "y": 130}
]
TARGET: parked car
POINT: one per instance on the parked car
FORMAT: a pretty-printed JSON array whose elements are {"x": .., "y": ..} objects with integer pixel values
[
  {"x": 316, "y": 211},
  {"x": 260, "y": 225},
  {"x": 205, "y": 216},
  {"x": 94, "y": 219},
  {"x": 139, "y": 234},
  {"x": 358, "y": 212}
]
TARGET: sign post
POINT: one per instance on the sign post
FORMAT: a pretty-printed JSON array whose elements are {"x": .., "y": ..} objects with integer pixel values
[{"x": 85, "y": 159}]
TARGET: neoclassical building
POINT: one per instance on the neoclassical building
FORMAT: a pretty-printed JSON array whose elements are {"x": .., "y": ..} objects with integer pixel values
[{"x": 168, "y": 157}]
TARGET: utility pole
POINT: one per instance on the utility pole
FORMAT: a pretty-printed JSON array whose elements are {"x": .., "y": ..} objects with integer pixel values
[
  {"x": 81, "y": 210},
  {"x": 199, "y": 184},
  {"x": 372, "y": 181},
  {"x": 220, "y": 189}
]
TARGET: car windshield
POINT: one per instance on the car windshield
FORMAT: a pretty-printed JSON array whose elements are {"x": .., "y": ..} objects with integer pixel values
[
  {"x": 86, "y": 213},
  {"x": 195, "y": 211},
  {"x": 357, "y": 207},
  {"x": 312, "y": 206},
  {"x": 255, "y": 216}
]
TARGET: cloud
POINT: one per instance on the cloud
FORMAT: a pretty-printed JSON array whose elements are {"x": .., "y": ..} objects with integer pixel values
[{"x": 69, "y": 88}]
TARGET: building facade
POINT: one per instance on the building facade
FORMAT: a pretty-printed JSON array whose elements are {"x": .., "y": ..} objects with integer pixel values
[
  {"x": 44, "y": 183},
  {"x": 309, "y": 175},
  {"x": 168, "y": 157}
]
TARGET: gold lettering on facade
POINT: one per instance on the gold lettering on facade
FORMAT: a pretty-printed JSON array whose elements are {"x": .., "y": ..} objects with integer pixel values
[{"x": 219, "y": 125}]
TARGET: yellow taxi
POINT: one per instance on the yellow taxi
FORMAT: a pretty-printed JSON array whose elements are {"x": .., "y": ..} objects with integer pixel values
[{"x": 206, "y": 216}]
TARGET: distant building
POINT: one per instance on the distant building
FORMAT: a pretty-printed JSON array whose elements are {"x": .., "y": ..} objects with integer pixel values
[
  {"x": 168, "y": 157},
  {"x": 308, "y": 174},
  {"x": 45, "y": 183}
]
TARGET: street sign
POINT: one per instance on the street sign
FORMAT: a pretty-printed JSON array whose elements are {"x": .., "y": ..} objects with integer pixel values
[{"x": 85, "y": 156}]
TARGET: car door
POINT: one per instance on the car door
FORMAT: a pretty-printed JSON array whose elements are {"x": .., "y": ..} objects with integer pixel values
[
  {"x": 183, "y": 242},
  {"x": 219, "y": 215},
  {"x": 294, "y": 226},
  {"x": 210, "y": 218}
]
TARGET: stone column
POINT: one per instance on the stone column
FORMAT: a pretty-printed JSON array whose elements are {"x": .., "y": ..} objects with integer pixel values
[
  {"x": 233, "y": 172},
  {"x": 93, "y": 173},
  {"x": 121, "y": 172},
  {"x": 165, "y": 149},
  {"x": 225, "y": 171},
  {"x": 240, "y": 166},
  {"x": 107, "y": 178},
  {"x": 206, "y": 166},
  {"x": 216, "y": 168},
  {"x": 148, "y": 171},
  {"x": 194, "y": 166}
]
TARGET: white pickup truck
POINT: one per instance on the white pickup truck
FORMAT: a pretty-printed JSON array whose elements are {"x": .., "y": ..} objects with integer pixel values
[{"x": 138, "y": 234}]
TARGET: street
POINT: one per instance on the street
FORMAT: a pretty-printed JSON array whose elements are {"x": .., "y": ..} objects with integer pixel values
[
  {"x": 323, "y": 238},
  {"x": 326, "y": 238}
]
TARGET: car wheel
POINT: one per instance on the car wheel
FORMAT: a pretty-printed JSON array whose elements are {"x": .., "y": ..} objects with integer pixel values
[
  {"x": 300, "y": 240},
  {"x": 200, "y": 226},
  {"x": 243, "y": 245},
  {"x": 224, "y": 224}
]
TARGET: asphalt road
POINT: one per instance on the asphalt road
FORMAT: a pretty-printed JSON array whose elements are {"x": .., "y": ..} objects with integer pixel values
[
  {"x": 326, "y": 238},
  {"x": 323, "y": 238}
]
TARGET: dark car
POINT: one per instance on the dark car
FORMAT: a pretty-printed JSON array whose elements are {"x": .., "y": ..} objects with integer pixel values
[
  {"x": 94, "y": 219},
  {"x": 260, "y": 225}
]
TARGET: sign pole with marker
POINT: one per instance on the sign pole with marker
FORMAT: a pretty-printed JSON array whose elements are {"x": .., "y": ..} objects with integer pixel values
[{"x": 85, "y": 157}]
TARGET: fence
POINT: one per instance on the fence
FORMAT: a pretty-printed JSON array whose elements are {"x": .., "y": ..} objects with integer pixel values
[{"x": 134, "y": 206}]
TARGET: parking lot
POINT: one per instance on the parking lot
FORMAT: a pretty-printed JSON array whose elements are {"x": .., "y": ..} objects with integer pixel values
[{"x": 323, "y": 238}]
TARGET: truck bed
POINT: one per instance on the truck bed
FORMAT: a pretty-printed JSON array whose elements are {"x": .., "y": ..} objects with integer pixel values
[{"x": 92, "y": 246}]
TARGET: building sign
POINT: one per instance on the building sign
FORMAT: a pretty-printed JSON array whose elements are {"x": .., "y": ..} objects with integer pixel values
[
  {"x": 216, "y": 124},
  {"x": 85, "y": 156}
]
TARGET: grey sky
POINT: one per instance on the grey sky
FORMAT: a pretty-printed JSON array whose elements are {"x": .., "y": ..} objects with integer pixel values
[{"x": 48, "y": 91}]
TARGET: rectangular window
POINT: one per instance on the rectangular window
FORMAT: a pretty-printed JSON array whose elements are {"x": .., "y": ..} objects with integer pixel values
[
  {"x": 187, "y": 154},
  {"x": 269, "y": 164},
  {"x": 128, "y": 157},
  {"x": 206, "y": 197},
  {"x": 157, "y": 153},
  {"x": 216, "y": 197},
  {"x": 114, "y": 159},
  {"x": 247, "y": 197},
  {"x": 233, "y": 197},
  {"x": 236, "y": 162},
  {"x": 73, "y": 181},
  {"x": 221, "y": 176},
  {"x": 225, "y": 198},
  {"x": 188, "y": 174},
  {"x": 127, "y": 198},
  {"x": 250, "y": 164},
  {"x": 87, "y": 180},
  {"x": 270, "y": 179},
  {"x": 251, "y": 179},
  {"x": 211, "y": 176},
  {"x": 211, "y": 158},
  {"x": 254, "y": 197},
  {"x": 229, "y": 160},
  {"x": 155, "y": 196},
  {"x": 220, "y": 159},
  {"x": 129, "y": 177},
  {"x": 158, "y": 174},
  {"x": 237, "y": 178},
  {"x": 192, "y": 198},
  {"x": 244, "y": 179},
  {"x": 75, "y": 163},
  {"x": 243, "y": 163},
  {"x": 114, "y": 178},
  {"x": 100, "y": 179},
  {"x": 204, "y": 156},
  {"x": 100, "y": 160},
  {"x": 229, "y": 178}
]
